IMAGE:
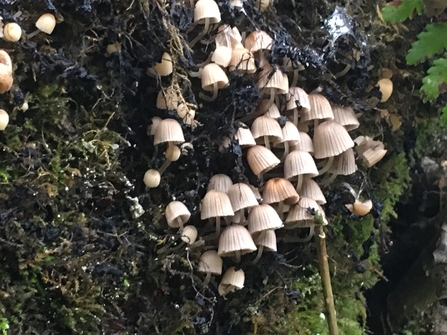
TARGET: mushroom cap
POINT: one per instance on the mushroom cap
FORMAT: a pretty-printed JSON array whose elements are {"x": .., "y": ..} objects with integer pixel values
[
  {"x": 211, "y": 74},
  {"x": 273, "y": 78},
  {"x": 290, "y": 134},
  {"x": 299, "y": 163},
  {"x": 6, "y": 79},
  {"x": 176, "y": 211},
  {"x": 222, "y": 55},
  {"x": 346, "y": 117},
  {"x": 344, "y": 164},
  {"x": 189, "y": 234},
  {"x": 320, "y": 108},
  {"x": 206, "y": 9},
  {"x": 263, "y": 217},
  {"x": 167, "y": 99},
  {"x": 272, "y": 111},
  {"x": 310, "y": 189},
  {"x": 231, "y": 280},
  {"x": 155, "y": 122},
  {"x": 360, "y": 208},
  {"x": 185, "y": 113},
  {"x": 372, "y": 156},
  {"x": 169, "y": 130},
  {"x": 216, "y": 204},
  {"x": 331, "y": 139},
  {"x": 164, "y": 67},
  {"x": 298, "y": 98},
  {"x": 279, "y": 190},
  {"x": 267, "y": 239},
  {"x": 242, "y": 61},
  {"x": 244, "y": 136},
  {"x": 258, "y": 40},
  {"x": 219, "y": 182},
  {"x": 235, "y": 238},
  {"x": 210, "y": 262},
  {"x": 152, "y": 178},
  {"x": 305, "y": 143},
  {"x": 173, "y": 153},
  {"x": 260, "y": 159},
  {"x": 386, "y": 88},
  {"x": 4, "y": 119},
  {"x": 46, "y": 23},
  {"x": 266, "y": 126},
  {"x": 299, "y": 213},
  {"x": 12, "y": 32},
  {"x": 241, "y": 196}
]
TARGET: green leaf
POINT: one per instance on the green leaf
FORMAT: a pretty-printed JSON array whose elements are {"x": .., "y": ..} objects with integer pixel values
[
  {"x": 436, "y": 76},
  {"x": 405, "y": 10},
  {"x": 430, "y": 42},
  {"x": 444, "y": 115}
]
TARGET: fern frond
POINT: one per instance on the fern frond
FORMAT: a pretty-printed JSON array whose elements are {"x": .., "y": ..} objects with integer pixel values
[
  {"x": 430, "y": 42},
  {"x": 436, "y": 80},
  {"x": 405, "y": 10}
]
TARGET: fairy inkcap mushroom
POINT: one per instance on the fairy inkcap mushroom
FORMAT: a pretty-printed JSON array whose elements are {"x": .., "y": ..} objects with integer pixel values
[
  {"x": 299, "y": 164},
  {"x": 216, "y": 205},
  {"x": 244, "y": 136},
  {"x": 219, "y": 182},
  {"x": 290, "y": 136},
  {"x": 297, "y": 101},
  {"x": 232, "y": 279},
  {"x": 6, "y": 78},
  {"x": 386, "y": 88},
  {"x": 267, "y": 130},
  {"x": 46, "y": 23},
  {"x": 213, "y": 79},
  {"x": 211, "y": 264},
  {"x": 305, "y": 143},
  {"x": 360, "y": 208},
  {"x": 206, "y": 12},
  {"x": 330, "y": 139},
  {"x": 310, "y": 189},
  {"x": 189, "y": 234},
  {"x": 12, "y": 32},
  {"x": 4, "y": 119},
  {"x": 172, "y": 154},
  {"x": 222, "y": 56},
  {"x": 344, "y": 164},
  {"x": 258, "y": 40},
  {"x": 242, "y": 61},
  {"x": 155, "y": 122},
  {"x": 320, "y": 109},
  {"x": 169, "y": 131},
  {"x": 235, "y": 241},
  {"x": 177, "y": 214},
  {"x": 242, "y": 198},
  {"x": 165, "y": 66},
  {"x": 346, "y": 117},
  {"x": 279, "y": 191},
  {"x": 260, "y": 159},
  {"x": 152, "y": 178},
  {"x": 263, "y": 217},
  {"x": 266, "y": 241}
]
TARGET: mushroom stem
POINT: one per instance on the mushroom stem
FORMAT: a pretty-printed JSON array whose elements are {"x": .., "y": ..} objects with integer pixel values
[
  {"x": 353, "y": 192},
  {"x": 286, "y": 150},
  {"x": 218, "y": 226},
  {"x": 299, "y": 182},
  {"x": 237, "y": 256},
  {"x": 295, "y": 239},
  {"x": 213, "y": 97},
  {"x": 266, "y": 142},
  {"x": 326, "y": 166},
  {"x": 195, "y": 74},
  {"x": 328, "y": 180},
  {"x": 295, "y": 116},
  {"x": 316, "y": 122},
  {"x": 258, "y": 256},
  {"x": 164, "y": 166},
  {"x": 180, "y": 224},
  {"x": 207, "y": 279},
  {"x": 279, "y": 209},
  {"x": 271, "y": 99},
  {"x": 295, "y": 77},
  {"x": 201, "y": 34}
]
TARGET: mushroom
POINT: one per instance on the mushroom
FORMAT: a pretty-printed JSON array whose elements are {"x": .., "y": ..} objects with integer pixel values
[
  {"x": 297, "y": 101},
  {"x": 235, "y": 241},
  {"x": 310, "y": 189},
  {"x": 359, "y": 208},
  {"x": 242, "y": 198},
  {"x": 4, "y": 119},
  {"x": 210, "y": 263},
  {"x": 12, "y": 32},
  {"x": 305, "y": 143},
  {"x": 244, "y": 136},
  {"x": 265, "y": 241},
  {"x": 272, "y": 81},
  {"x": 386, "y": 88},
  {"x": 216, "y": 204},
  {"x": 213, "y": 79},
  {"x": 152, "y": 178},
  {"x": 267, "y": 129},
  {"x": 290, "y": 135},
  {"x": 299, "y": 164},
  {"x": 169, "y": 131},
  {"x": 344, "y": 164},
  {"x": 280, "y": 191},
  {"x": 206, "y": 12},
  {"x": 177, "y": 214},
  {"x": 346, "y": 117},
  {"x": 219, "y": 182},
  {"x": 232, "y": 279},
  {"x": 6, "y": 78},
  {"x": 320, "y": 110},
  {"x": 172, "y": 154},
  {"x": 261, "y": 218},
  {"x": 162, "y": 68},
  {"x": 260, "y": 159},
  {"x": 46, "y": 23}
]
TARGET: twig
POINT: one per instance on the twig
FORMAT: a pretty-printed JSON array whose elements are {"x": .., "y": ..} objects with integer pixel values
[{"x": 323, "y": 266}]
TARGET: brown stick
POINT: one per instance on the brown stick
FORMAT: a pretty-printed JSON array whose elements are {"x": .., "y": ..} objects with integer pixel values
[{"x": 325, "y": 275}]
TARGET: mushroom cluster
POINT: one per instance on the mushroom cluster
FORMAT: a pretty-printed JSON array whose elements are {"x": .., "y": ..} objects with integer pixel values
[{"x": 291, "y": 138}]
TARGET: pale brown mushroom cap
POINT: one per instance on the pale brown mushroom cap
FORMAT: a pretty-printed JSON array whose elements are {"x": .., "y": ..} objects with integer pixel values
[
  {"x": 6, "y": 79},
  {"x": 216, "y": 204},
  {"x": 320, "y": 109},
  {"x": 299, "y": 163},
  {"x": 242, "y": 61},
  {"x": 263, "y": 217},
  {"x": 298, "y": 98},
  {"x": 258, "y": 40},
  {"x": 360, "y": 208},
  {"x": 210, "y": 262},
  {"x": 206, "y": 9},
  {"x": 169, "y": 131},
  {"x": 232, "y": 279},
  {"x": 175, "y": 211},
  {"x": 279, "y": 190},
  {"x": 267, "y": 240},
  {"x": 305, "y": 143},
  {"x": 4, "y": 119},
  {"x": 189, "y": 234},
  {"x": 165, "y": 66},
  {"x": 260, "y": 159},
  {"x": 235, "y": 238},
  {"x": 265, "y": 126},
  {"x": 12, "y": 32},
  {"x": 273, "y": 78},
  {"x": 346, "y": 117},
  {"x": 152, "y": 178},
  {"x": 222, "y": 56},
  {"x": 241, "y": 196},
  {"x": 299, "y": 213},
  {"x": 167, "y": 99},
  {"x": 331, "y": 139},
  {"x": 46, "y": 23},
  {"x": 244, "y": 136},
  {"x": 372, "y": 156},
  {"x": 219, "y": 182},
  {"x": 290, "y": 134},
  {"x": 344, "y": 164},
  {"x": 386, "y": 88},
  {"x": 211, "y": 74},
  {"x": 272, "y": 111},
  {"x": 310, "y": 189}
]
